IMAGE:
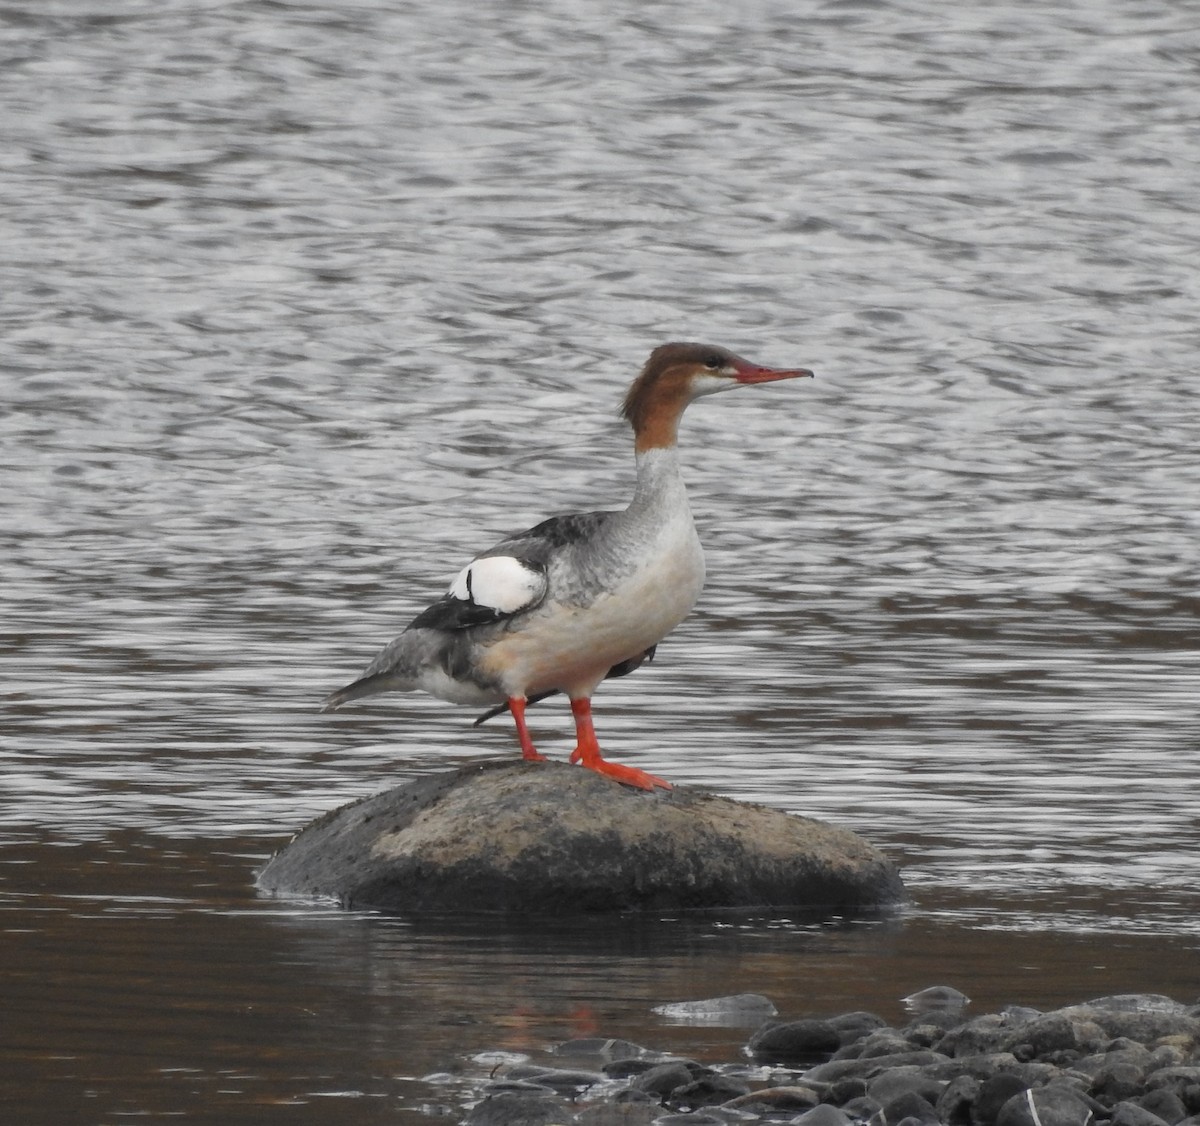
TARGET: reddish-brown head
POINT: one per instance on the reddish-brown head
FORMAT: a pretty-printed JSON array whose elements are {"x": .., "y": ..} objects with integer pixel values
[{"x": 675, "y": 374}]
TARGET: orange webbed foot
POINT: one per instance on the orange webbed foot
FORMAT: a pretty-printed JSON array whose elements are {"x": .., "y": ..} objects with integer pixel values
[{"x": 628, "y": 775}]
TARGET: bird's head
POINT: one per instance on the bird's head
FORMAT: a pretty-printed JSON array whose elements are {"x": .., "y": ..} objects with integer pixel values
[{"x": 675, "y": 374}]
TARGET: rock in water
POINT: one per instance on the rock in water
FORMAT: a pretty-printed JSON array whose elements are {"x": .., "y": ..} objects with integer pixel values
[{"x": 547, "y": 837}]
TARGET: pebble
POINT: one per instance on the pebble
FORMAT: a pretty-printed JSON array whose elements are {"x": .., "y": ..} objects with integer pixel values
[{"x": 1114, "y": 1061}]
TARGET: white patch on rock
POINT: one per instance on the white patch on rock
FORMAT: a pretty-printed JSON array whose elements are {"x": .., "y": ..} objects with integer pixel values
[{"x": 500, "y": 582}]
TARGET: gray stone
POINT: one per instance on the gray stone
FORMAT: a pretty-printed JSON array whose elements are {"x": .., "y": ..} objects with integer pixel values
[
  {"x": 663, "y": 1079},
  {"x": 845, "y": 1091},
  {"x": 1130, "y": 1114},
  {"x": 957, "y": 1101},
  {"x": 909, "y": 1107},
  {"x": 1118, "y": 1080},
  {"x": 1052, "y": 1105},
  {"x": 937, "y": 997},
  {"x": 619, "y": 1114},
  {"x": 985, "y": 1035},
  {"x": 513, "y": 1109},
  {"x": 897, "y": 1081},
  {"x": 853, "y": 1027},
  {"x": 869, "y": 1066},
  {"x": 1143, "y": 1025},
  {"x": 559, "y": 1080},
  {"x": 823, "y": 1115},
  {"x": 980, "y": 1067},
  {"x": 690, "y": 1118},
  {"x": 994, "y": 1092},
  {"x": 774, "y": 1100},
  {"x": 861, "y": 1109},
  {"x": 883, "y": 1042},
  {"x": 548, "y": 837},
  {"x": 1170, "y": 1105},
  {"x": 794, "y": 1041},
  {"x": 1138, "y": 1003},
  {"x": 736, "y": 1008},
  {"x": 706, "y": 1091},
  {"x": 1184, "y": 1082},
  {"x": 627, "y": 1068},
  {"x": 1043, "y": 1035}
]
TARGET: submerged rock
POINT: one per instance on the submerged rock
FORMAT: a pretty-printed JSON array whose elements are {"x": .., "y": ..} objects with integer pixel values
[
  {"x": 547, "y": 837},
  {"x": 737, "y": 1008}
]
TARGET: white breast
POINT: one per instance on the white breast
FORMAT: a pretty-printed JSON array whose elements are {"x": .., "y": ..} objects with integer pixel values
[{"x": 571, "y": 646}]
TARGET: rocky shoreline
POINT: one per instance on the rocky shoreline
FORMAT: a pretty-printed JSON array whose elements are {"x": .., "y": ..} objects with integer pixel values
[{"x": 1130, "y": 1060}]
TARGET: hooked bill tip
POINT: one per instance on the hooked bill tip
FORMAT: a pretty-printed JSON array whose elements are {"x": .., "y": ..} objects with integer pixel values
[{"x": 770, "y": 375}]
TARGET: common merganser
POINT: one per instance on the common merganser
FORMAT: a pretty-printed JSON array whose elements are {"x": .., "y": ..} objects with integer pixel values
[{"x": 577, "y": 598}]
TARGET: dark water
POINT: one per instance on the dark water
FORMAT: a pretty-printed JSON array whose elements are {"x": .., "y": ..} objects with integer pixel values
[{"x": 302, "y": 303}]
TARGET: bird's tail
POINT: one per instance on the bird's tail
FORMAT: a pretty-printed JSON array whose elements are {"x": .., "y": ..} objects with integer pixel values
[
  {"x": 396, "y": 669},
  {"x": 364, "y": 686}
]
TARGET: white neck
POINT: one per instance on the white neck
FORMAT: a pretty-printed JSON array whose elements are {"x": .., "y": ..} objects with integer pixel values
[{"x": 659, "y": 482}]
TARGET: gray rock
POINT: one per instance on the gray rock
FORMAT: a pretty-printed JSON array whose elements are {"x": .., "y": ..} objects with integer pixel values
[
  {"x": 775, "y": 1100},
  {"x": 619, "y": 1114},
  {"x": 883, "y": 1042},
  {"x": 861, "y": 1109},
  {"x": 549, "y": 837},
  {"x": 823, "y": 1115},
  {"x": 1184, "y": 1082},
  {"x": 985, "y": 1035},
  {"x": 994, "y": 1092},
  {"x": 559, "y": 1080},
  {"x": 1130, "y": 1114},
  {"x": 735, "y": 1009},
  {"x": 794, "y": 1041},
  {"x": 690, "y": 1119},
  {"x": 979, "y": 1067},
  {"x": 706, "y": 1091},
  {"x": 1052, "y": 1105},
  {"x": 1138, "y": 1003},
  {"x": 853, "y": 1027},
  {"x": 627, "y": 1068},
  {"x": 845, "y": 1091},
  {"x": 663, "y": 1079},
  {"x": 1143, "y": 1025},
  {"x": 891, "y": 1084},
  {"x": 1118, "y": 1080},
  {"x": 937, "y": 997},
  {"x": 514, "y": 1109},
  {"x": 869, "y": 1066},
  {"x": 1052, "y": 1032},
  {"x": 516, "y": 1087},
  {"x": 909, "y": 1107},
  {"x": 1169, "y": 1104},
  {"x": 957, "y": 1102}
]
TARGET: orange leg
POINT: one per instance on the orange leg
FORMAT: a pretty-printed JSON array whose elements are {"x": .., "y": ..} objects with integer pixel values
[
  {"x": 516, "y": 705},
  {"x": 587, "y": 752}
]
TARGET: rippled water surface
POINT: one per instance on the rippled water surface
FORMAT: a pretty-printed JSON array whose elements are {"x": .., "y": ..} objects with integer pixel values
[{"x": 302, "y": 303}]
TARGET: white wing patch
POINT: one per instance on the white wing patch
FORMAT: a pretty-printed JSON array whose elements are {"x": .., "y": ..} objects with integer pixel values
[{"x": 500, "y": 582}]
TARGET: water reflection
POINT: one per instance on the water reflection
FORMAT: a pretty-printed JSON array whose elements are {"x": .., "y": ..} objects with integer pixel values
[{"x": 221, "y": 1001}]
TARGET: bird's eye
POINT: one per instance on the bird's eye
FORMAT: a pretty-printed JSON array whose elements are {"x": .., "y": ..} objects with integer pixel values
[{"x": 714, "y": 362}]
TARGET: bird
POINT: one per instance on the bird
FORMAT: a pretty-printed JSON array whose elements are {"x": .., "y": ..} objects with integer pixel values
[{"x": 577, "y": 598}]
